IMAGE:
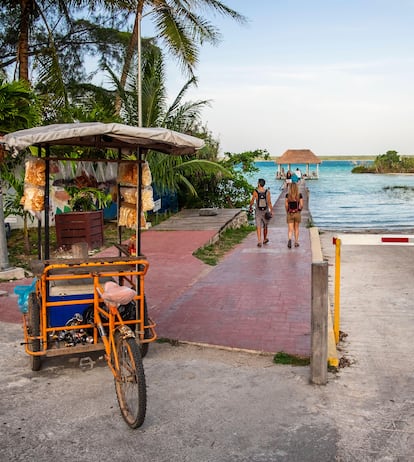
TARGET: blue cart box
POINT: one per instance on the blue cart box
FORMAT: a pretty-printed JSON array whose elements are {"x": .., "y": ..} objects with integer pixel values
[{"x": 58, "y": 316}]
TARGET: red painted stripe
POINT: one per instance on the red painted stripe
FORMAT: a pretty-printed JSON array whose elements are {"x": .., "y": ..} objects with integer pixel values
[{"x": 394, "y": 239}]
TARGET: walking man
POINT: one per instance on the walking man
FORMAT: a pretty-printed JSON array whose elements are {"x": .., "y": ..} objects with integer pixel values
[{"x": 263, "y": 208}]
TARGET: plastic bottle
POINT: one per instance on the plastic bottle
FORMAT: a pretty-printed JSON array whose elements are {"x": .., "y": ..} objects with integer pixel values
[{"x": 132, "y": 248}]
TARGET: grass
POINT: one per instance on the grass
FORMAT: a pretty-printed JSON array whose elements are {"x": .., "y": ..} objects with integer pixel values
[
  {"x": 310, "y": 223},
  {"x": 19, "y": 257},
  {"x": 284, "y": 358},
  {"x": 213, "y": 253}
]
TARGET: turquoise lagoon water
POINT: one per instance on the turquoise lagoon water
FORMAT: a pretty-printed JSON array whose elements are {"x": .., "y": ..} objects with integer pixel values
[{"x": 341, "y": 200}]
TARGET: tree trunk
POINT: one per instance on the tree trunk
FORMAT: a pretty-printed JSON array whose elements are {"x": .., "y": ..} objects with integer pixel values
[
  {"x": 23, "y": 47},
  {"x": 129, "y": 54},
  {"x": 4, "y": 255},
  {"x": 26, "y": 235}
]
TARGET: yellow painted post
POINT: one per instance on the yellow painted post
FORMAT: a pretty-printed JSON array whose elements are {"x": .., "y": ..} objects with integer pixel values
[{"x": 337, "y": 287}]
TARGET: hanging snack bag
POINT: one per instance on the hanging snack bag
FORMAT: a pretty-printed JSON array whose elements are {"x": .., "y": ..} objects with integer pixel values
[{"x": 147, "y": 199}]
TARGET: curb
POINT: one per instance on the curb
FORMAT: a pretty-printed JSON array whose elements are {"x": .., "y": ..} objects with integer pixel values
[{"x": 317, "y": 256}]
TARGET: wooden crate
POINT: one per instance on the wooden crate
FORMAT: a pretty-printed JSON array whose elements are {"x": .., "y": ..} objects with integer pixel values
[{"x": 74, "y": 227}]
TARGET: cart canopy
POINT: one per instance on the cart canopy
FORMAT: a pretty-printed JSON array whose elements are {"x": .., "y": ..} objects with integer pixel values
[{"x": 103, "y": 135}]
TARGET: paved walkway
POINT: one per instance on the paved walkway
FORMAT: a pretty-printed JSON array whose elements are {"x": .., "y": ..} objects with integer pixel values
[{"x": 255, "y": 299}]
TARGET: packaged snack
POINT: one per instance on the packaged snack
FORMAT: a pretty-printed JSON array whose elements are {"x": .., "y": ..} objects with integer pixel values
[
  {"x": 34, "y": 198},
  {"x": 35, "y": 172},
  {"x": 147, "y": 199}
]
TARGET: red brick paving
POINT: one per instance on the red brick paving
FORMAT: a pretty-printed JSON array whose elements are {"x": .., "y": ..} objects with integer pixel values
[{"x": 255, "y": 299}]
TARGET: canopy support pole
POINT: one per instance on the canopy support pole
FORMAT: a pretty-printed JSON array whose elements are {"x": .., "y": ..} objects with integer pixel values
[
  {"x": 47, "y": 203},
  {"x": 139, "y": 202}
]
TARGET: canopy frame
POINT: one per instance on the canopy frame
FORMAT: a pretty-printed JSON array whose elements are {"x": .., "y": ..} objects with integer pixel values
[{"x": 125, "y": 139}]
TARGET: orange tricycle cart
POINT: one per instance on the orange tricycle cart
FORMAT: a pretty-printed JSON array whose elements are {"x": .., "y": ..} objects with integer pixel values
[{"x": 81, "y": 303}]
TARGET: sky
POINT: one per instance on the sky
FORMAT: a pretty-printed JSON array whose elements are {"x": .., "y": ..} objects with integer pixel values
[{"x": 333, "y": 76}]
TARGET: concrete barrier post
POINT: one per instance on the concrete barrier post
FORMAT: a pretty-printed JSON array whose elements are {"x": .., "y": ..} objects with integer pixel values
[{"x": 319, "y": 324}]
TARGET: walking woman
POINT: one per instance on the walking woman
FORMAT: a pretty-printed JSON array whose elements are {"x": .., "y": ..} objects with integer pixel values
[{"x": 293, "y": 206}]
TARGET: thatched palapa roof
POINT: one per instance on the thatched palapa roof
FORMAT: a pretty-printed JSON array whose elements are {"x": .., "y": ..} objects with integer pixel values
[{"x": 298, "y": 156}]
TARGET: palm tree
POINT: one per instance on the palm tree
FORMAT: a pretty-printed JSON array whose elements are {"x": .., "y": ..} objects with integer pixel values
[
  {"x": 180, "y": 26},
  {"x": 53, "y": 41},
  {"x": 170, "y": 173},
  {"x": 27, "y": 12},
  {"x": 57, "y": 37}
]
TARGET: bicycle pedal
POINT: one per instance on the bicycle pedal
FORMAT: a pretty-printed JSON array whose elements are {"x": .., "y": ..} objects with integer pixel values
[{"x": 86, "y": 363}]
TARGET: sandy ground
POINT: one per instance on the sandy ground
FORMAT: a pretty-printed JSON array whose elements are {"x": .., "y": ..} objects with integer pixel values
[{"x": 224, "y": 406}]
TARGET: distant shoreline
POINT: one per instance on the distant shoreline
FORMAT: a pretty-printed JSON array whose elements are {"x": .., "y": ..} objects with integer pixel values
[
  {"x": 360, "y": 158},
  {"x": 322, "y": 158},
  {"x": 345, "y": 157},
  {"x": 397, "y": 231}
]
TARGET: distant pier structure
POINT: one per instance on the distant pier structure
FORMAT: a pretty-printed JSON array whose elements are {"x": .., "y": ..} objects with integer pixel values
[{"x": 298, "y": 157}]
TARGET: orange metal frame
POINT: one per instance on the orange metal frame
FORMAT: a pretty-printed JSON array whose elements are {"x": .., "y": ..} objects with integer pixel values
[{"x": 131, "y": 270}]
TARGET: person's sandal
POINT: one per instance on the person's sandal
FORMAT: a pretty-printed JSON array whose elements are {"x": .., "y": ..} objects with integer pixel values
[
  {"x": 289, "y": 244},
  {"x": 296, "y": 244},
  {"x": 265, "y": 241},
  {"x": 259, "y": 244}
]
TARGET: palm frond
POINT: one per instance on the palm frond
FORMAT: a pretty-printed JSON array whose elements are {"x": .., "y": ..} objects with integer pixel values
[
  {"x": 201, "y": 166},
  {"x": 186, "y": 184},
  {"x": 177, "y": 37},
  {"x": 177, "y": 101}
]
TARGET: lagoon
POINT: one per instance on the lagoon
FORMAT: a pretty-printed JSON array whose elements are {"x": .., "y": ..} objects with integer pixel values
[{"x": 341, "y": 200}]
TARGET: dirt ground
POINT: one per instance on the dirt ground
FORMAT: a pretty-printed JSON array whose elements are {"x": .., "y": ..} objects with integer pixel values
[{"x": 206, "y": 404}]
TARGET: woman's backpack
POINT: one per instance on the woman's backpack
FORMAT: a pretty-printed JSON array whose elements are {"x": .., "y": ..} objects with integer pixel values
[{"x": 293, "y": 206}]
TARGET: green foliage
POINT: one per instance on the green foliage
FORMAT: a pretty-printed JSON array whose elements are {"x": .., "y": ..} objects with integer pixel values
[
  {"x": 181, "y": 27},
  {"x": 386, "y": 162},
  {"x": 390, "y": 162},
  {"x": 20, "y": 257},
  {"x": 231, "y": 191},
  {"x": 362, "y": 169},
  {"x": 19, "y": 106},
  {"x": 88, "y": 199},
  {"x": 407, "y": 164},
  {"x": 65, "y": 34},
  {"x": 170, "y": 173},
  {"x": 284, "y": 358},
  {"x": 19, "y": 254},
  {"x": 14, "y": 181},
  {"x": 60, "y": 45},
  {"x": 19, "y": 109}
]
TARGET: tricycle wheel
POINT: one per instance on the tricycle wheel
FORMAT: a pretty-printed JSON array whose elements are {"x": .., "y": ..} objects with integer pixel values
[
  {"x": 147, "y": 333},
  {"x": 144, "y": 349},
  {"x": 34, "y": 329},
  {"x": 130, "y": 385},
  {"x": 128, "y": 313}
]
